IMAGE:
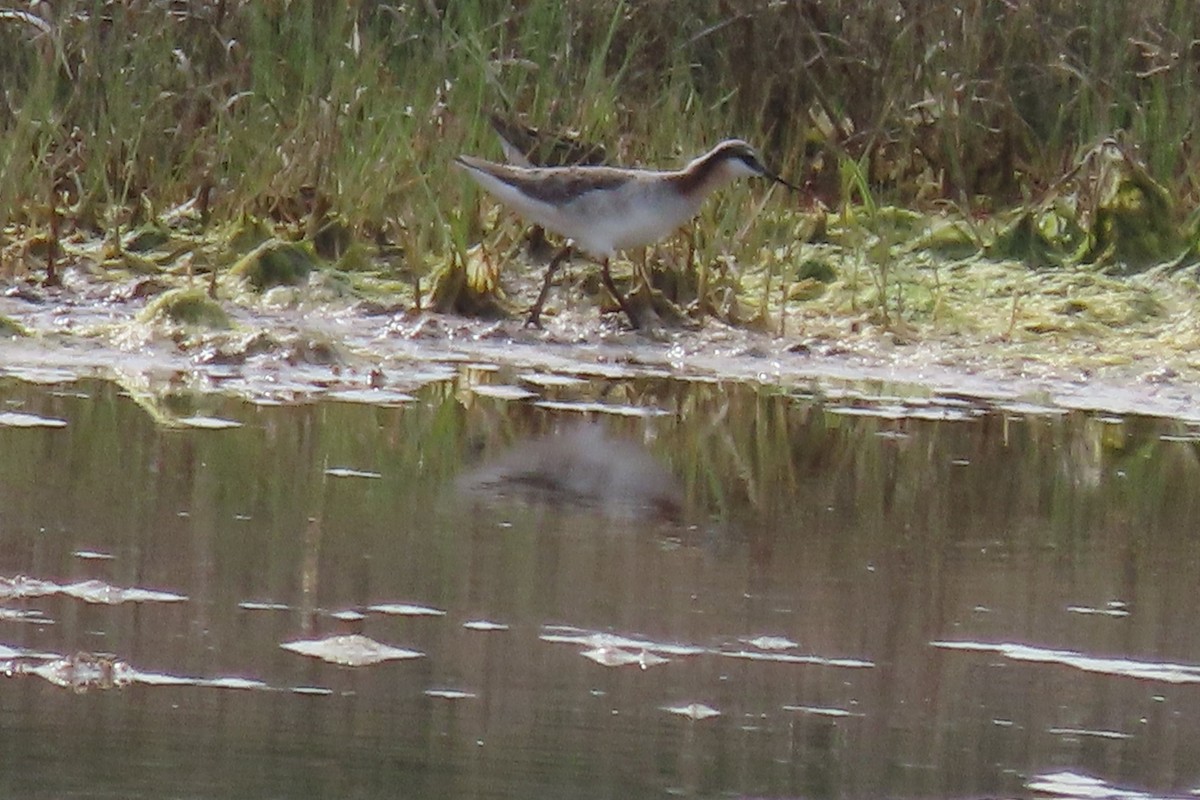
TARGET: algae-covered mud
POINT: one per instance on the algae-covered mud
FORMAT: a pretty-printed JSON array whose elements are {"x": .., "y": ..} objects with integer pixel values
[{"x": 286, "y": 324}]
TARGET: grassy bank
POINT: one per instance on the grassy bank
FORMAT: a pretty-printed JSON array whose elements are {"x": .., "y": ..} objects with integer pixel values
[{"x": 341, "y": 119}]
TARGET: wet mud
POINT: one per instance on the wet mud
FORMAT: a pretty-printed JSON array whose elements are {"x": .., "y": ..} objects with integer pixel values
[{"x": 300, "y": 344}]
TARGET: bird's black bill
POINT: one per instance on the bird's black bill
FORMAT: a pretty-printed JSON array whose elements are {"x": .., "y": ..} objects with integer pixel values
[{"x": 773, "y": 177}]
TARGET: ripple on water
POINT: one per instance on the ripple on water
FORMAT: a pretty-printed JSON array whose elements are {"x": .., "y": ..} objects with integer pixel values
[
  {"x": 1071, "y": 784},
  {"x": 1145, "y": 670},
  {"x": 350, "y": 650},
  {"x": 17, "y": 419},
  {"x": 90, "y": 591}
]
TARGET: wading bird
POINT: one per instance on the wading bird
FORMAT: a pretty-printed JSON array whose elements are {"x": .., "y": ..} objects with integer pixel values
[{"x": 604, "y": 210}]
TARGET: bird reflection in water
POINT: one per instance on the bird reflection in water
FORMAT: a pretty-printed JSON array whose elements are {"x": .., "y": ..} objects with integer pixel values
[{"x": 581, "y": 467}]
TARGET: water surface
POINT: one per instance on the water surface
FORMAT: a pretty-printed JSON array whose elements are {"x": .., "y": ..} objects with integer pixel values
[{"x": 862, "y": 591}]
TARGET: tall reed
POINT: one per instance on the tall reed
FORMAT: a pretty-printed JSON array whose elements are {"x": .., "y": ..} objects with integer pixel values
[{"x": 115, "y": 110}]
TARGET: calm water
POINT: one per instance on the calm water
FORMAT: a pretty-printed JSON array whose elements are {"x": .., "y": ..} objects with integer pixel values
[{"x": 880, "y": 597}]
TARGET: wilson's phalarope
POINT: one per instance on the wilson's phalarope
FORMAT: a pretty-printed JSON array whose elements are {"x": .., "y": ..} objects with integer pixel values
[{"x": 603, "y": 210}]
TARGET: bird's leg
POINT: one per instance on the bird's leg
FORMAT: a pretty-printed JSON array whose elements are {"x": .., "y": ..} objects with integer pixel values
[
  {"x": 535, "y": 314},
  {"x": 606, "y": 277}
]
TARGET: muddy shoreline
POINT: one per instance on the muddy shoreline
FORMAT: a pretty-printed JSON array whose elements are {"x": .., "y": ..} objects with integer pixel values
[{"x": 291, "y": 349}]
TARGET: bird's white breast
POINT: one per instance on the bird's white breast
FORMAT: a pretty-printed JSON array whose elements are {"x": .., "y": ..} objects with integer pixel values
[{"x": 633, "y": 215}]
